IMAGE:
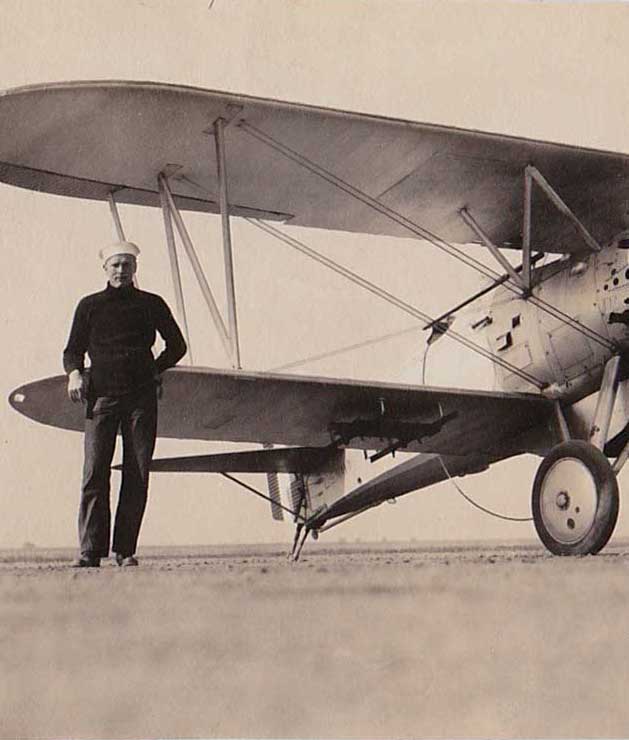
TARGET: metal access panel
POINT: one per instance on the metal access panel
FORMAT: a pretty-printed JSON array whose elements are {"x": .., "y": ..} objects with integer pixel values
[
  {"x": 572, "y": 350},
  {"x": 520, "y": 356}
]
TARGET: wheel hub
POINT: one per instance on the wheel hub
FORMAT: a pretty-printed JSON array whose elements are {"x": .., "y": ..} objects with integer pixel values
[{"x": 568, "y": 500}]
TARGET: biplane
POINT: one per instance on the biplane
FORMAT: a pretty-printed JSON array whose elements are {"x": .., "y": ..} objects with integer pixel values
[{"x": 555, "y": 327}]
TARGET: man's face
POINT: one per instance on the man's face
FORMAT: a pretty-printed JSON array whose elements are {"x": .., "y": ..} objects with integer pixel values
[{"x": 120, "y": 270}]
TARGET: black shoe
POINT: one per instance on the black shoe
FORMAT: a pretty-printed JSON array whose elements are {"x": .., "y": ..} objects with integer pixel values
[
  {"x": 86, "y": 561},
  {"x": 126, "y": 561}
]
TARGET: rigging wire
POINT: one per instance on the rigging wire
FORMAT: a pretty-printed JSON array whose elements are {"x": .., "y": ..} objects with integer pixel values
[
  {"x": 441, "y": 244},
  {"x": 261, "y": 495},
  {"x": 348, "y": 348},
  {"x": 420, "y": 231},
  {"x": 457, "y": 487},
  {"x": 477, "y": 505},
  {"x": 393, "y": 300}
]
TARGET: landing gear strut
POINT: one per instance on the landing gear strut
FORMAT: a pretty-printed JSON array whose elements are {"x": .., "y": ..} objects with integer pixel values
[
  {"x": 575, "y": 493},
  {"x": 299, "y": 541},
  {"x": 575, "y": 499}
]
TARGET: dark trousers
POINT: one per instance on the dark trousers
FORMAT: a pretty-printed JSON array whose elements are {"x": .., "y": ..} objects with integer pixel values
[{"x": 136, "y": 416}]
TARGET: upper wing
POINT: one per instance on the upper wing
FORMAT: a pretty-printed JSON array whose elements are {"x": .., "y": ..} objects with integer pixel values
[
  {"x": 237, "y": 406},
  {"x": 89, "y": 139}
]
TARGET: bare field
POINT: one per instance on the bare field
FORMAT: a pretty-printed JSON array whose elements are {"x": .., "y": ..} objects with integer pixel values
[{"x": 353, "y": 641}]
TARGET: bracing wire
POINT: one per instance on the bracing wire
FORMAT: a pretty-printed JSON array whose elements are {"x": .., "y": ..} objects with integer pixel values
[
  {"x": 366, "y": 199},
  {"x": 441, "y": 244},
  {"x": 419, "y": 230},
  {"x": 393, "y": 300},
  {"x": 477, "y": 505},
  {"x": 253, "y": 490},
  {"x": 457, "y": 487},
  {"x": 348, "y": 348}
]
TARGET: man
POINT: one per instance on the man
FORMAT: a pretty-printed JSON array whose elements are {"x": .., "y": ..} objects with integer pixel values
[{"x": 116, "y": 328}]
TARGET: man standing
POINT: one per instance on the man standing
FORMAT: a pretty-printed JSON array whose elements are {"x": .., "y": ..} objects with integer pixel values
[{"x": 116, "y": 328}]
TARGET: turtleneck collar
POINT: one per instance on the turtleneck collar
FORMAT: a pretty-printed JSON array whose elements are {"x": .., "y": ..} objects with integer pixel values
[{"x": 123, "y": 292}]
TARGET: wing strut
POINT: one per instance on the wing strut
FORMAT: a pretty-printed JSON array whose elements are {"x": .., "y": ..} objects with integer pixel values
[
  {"x": 524, "y": 281},
  {"x": 115, "y": 215},
  {"x": 113, "y": 207},
  {"x": 197, "y": 268},
  {"x": 498, "y": 256},
  {"x": 227, "y": 334},
  {"x": 232, "y": 317},
  {"x": 532, "y": 174},
  {"x": 174, "y": 262},
  {"x": 437, "y": 241}
]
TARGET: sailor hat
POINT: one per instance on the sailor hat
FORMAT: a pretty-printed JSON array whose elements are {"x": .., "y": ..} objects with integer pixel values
[{"x": 118, "y": 248}]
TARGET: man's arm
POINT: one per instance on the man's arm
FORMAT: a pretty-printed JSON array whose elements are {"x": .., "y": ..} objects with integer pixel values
[
  {"x": 74, "y": 353},
  {"x": 175, "y": 345}
]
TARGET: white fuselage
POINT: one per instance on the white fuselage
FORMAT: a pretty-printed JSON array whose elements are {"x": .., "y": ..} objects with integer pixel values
[{"x": 568, "y": 361}]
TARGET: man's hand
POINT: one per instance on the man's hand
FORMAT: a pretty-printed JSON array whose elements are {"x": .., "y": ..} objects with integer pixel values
[{"x": 76, "y": 388}]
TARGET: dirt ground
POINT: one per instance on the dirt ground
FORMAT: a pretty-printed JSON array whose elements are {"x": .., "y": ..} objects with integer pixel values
[{"x": 353, "y": 641}]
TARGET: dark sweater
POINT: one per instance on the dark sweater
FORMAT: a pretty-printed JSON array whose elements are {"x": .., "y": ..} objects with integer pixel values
[{"x": 116, "y": 327}]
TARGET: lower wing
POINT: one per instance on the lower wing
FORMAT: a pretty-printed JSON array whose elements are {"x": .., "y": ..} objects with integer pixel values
[{"x": 315, "y": 412}]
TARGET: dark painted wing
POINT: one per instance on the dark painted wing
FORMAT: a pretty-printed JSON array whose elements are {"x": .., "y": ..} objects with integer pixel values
[
  {"x": 300, "y": 411},
  {"x": 88, "y": 139}
]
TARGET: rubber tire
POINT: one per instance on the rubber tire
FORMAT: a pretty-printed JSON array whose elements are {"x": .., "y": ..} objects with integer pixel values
[{"x": 607, "y": 499}]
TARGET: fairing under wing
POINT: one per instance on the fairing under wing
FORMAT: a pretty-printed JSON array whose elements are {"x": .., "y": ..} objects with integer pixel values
[{"x": 228, "y": 405}]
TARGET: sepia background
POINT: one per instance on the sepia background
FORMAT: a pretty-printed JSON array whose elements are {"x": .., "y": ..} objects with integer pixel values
[
  {"x": 211, "y": 637},
  {"x": 547, "y": 70}
]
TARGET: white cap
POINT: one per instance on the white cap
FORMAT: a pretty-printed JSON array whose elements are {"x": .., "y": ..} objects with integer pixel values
[{"x": 118, "y": 248}]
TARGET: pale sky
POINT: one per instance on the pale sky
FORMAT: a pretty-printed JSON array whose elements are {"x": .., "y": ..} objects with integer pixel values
[{"x": 554, "y": 71}]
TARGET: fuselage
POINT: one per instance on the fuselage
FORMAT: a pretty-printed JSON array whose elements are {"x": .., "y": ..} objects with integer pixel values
[{"x": 534, "y": 335}]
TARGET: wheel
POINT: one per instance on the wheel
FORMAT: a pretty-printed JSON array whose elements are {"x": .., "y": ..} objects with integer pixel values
[{"x": 575, "y": 499}]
